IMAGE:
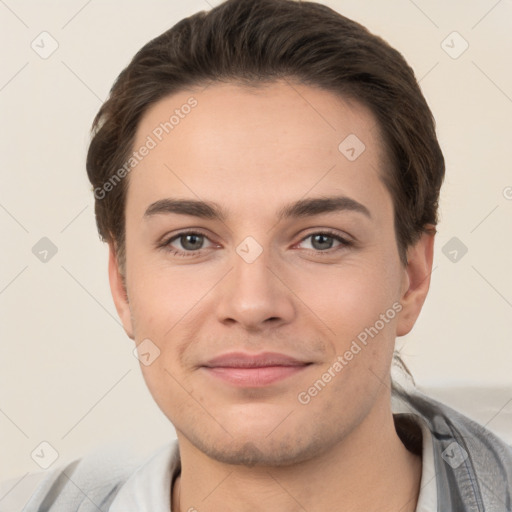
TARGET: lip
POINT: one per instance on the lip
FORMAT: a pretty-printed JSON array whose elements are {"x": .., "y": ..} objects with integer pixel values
[
  {"x": 245, "y": 360},
  {"x": 254, "y": 370}
]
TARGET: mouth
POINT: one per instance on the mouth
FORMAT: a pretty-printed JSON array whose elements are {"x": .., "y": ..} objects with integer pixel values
[{"x": 254, "y": 370}]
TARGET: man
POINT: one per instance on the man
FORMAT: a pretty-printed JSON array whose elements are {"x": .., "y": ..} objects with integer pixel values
[{"x": 267, "y": 177}]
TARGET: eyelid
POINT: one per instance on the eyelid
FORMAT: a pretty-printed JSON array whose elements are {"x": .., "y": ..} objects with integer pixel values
[
  {"x": 166, "y": 241},
  {"x": 330, "y": 232},
  {"x": 344, "y": 239}
]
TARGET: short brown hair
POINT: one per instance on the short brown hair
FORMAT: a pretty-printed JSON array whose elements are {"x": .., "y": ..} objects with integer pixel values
[{"x": 254, "y": 42}]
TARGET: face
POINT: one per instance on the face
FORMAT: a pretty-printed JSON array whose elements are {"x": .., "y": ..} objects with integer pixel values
[{"x": 262, "y": 270}]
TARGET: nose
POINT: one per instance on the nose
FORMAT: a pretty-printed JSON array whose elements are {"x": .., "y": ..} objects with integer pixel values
[{"x": 254, "y": 295}]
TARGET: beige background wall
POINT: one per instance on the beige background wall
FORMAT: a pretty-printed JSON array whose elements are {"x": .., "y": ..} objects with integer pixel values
[{"x": 67, "y": 373}]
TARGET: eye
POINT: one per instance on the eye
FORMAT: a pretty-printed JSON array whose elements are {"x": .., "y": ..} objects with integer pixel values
[
  {"x": 324, "y": 241},
  {"x": 192, "y": 243},
  {"x": 185, "y": 244}
]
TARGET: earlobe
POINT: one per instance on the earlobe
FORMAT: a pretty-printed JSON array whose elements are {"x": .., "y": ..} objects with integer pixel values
[
  {"x": 416, "y": 282},
  {"x": 119, "y": 293}
]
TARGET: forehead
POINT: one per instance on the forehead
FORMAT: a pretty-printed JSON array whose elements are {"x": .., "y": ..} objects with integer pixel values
[{"x": 284, "y": 138}]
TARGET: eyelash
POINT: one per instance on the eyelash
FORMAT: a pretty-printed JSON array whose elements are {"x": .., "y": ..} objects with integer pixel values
[{"x": 190, "y": 254}]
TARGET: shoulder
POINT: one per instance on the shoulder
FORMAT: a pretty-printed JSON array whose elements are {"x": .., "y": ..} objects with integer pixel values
[
  {"x": 89, "y": 483},
  {"x": 473, "y": 465}
]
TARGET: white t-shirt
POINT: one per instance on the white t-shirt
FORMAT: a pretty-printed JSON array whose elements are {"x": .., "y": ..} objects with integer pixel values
[{"x": 427, "y": 500}]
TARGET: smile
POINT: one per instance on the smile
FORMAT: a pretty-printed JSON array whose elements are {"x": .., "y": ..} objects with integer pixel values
[{"x": 246, "y": 370}]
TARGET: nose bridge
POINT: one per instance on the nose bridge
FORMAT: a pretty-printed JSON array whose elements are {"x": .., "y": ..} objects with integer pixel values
[{"x": 252, "y": 295}]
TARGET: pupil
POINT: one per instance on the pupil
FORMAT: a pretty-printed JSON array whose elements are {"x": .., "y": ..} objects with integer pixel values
[
  {"x": 193, "y": 239},
  {"x": 323, "y": 244}
]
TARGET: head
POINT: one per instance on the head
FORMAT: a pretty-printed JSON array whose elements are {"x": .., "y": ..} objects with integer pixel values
[{"x": 267, "y": 177}]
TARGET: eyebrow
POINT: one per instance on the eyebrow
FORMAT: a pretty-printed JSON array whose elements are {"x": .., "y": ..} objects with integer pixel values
[{"x": 299, "y": 209}]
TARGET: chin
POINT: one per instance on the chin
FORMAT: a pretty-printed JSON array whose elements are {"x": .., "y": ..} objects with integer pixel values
[
  {"x": 254, "y": 453},
  {"x": 254, "y": 449}
]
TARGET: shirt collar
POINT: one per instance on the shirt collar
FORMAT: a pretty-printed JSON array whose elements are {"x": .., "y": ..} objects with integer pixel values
[{"x": 148, "y": 489}]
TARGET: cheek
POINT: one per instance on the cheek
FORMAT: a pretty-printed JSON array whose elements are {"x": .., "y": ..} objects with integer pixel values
[
  {"x": 161, "y": 296},
  {"x": 168, "y": 305},
  {"x": 168, "y": 389},
  {"x": 353, "y": 296}
]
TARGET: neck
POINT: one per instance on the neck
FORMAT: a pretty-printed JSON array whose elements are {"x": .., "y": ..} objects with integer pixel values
[{"x": 369, "y": 470}]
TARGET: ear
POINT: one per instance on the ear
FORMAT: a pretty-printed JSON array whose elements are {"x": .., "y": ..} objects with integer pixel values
[
  {"x": 119, "y": 293},
  {"x": 416, "y": 281}
]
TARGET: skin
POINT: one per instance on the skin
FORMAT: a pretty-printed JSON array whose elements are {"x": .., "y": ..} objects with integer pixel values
[{"x": 252, "y": 152}]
